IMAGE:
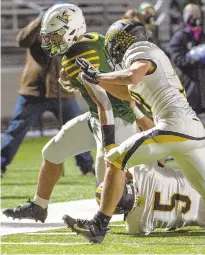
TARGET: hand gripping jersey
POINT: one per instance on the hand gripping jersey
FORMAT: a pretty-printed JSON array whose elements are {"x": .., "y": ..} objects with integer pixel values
[
  {"x": 160, "y": 91},
  {"x": 164, "y": 199},
  {"x": 91, "y": 48}
]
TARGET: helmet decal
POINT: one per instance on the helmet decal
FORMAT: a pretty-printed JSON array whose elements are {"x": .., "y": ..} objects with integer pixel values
[
  {"x": 64, "y": 18},
  {"x": 120, "y": 37}
]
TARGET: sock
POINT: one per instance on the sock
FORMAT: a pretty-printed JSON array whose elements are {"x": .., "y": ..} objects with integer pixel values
[
  {"x": 104, "y": 219},
  {"x": 40, "y": 201}
]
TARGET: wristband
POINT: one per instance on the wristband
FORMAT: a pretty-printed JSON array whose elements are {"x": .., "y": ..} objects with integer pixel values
[{"x": 139, "y": 115}]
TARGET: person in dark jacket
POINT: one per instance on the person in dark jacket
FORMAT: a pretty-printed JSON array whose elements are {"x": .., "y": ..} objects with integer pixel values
[
  {"x": 39, "y": 90},
  {"x": 189, "y": 67}
]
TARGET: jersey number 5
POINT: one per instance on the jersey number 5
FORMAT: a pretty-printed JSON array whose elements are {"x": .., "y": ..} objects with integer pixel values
[{"x": 174, "y": 200}]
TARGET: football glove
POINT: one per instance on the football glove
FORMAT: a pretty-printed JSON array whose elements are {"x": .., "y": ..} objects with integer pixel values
[
  {"x": 90, "y": 73},
  {"x": 65, "y": 82}
]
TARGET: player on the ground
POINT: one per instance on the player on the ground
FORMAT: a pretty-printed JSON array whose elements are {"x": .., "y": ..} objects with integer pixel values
[
  {"x": 158, "y": 198},
  {"x": 148, "y": 73},
  {"x": 63, "y": 32}
]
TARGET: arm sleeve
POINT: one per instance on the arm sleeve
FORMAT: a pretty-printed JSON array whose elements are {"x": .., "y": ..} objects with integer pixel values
[
  {"x": 29, "y": 34},
  {"x": 177, "y": 50},
  {"x": 149, "y": 52},
  {"x": 136, "y": 54},
  {"x": 105, "y": 112}
]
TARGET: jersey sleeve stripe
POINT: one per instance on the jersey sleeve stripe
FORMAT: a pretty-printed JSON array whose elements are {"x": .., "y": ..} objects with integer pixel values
[
  {"x": 73, "y": 65},
  {"x": 93, "y": 58},
  {"x": 79, "y": 70},
  {"x": 80, "y": 55}
]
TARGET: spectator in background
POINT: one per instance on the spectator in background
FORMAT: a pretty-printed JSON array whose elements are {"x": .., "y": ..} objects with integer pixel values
[
  {"x": 135, "y": 15},
  {"x": 190, "y": 68},
  {"x": 149, "y": 15},
  {"x": 176, "y": 16},
  {"x": 186, "y": 2},
  {"x": 38, "y": 93}
]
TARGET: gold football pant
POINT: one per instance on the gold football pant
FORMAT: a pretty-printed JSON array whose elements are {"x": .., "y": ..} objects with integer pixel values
[{"x": 183, "y": 139}]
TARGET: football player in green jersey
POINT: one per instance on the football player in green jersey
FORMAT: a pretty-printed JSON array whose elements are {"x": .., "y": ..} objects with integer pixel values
[{"x": 63, "y": 32}]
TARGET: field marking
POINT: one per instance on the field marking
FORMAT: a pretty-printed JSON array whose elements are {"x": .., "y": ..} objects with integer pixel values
[
  {"x": 117, "y": 225},
  {"x": 54, "y": 219},
  {"x": 38, "y": 243},
  {"x": 76, "y": 243},
  {"x": 52, "y": 234}
]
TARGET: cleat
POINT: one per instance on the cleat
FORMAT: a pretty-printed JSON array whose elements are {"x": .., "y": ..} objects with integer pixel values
[
  {"x": 91, "y": 229},
  {"x": 27, "y": 211}
]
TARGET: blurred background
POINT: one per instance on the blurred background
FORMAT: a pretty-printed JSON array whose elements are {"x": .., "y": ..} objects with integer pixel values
[{"x": 16, "y": 14}]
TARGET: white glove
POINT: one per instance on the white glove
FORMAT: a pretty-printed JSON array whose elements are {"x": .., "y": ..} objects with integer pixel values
[{"x": 65, "y": 81}]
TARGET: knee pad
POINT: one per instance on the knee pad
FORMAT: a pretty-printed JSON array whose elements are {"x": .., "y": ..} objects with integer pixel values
[
  {"x": 114, "y": 157},
  {"x": 50, "y": 154}
]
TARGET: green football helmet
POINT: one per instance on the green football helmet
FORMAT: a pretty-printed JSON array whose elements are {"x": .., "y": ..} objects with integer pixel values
[{"x": 120, "y": 36}]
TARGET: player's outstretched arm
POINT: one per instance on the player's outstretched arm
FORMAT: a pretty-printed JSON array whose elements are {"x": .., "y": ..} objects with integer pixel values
[
  {"x": 132, "y": 75},
  {"x": 118, "y": 91}
]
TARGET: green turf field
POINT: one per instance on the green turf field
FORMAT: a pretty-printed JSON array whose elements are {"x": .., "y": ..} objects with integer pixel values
[
  {"x": 19, "y": 184},
  {"x": 117, "y": 242}
]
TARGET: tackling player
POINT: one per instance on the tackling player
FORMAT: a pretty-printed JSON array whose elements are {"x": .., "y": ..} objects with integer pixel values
[
  {"x": 148, "y": 73},
  {"x": 63, "y": 32},
  {"x": 158, "y": 198}
]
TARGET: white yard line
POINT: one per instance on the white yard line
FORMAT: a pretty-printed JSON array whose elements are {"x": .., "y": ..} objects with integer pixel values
[
  {"x": 52, "y": 233},
  {"x": 38, "y": 243},
  {"x": 117, "y": 225},
  {"x": 84, "y": 209}
]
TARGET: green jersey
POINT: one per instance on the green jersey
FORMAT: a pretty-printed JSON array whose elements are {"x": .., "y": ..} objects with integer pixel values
[{"x": 91, "y": 47}]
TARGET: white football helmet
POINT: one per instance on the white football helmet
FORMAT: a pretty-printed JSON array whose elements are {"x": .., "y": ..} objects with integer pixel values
[{"x": 61, "y": 26}]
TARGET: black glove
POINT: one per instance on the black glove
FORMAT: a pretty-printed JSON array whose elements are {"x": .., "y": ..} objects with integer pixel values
[{"x": 90, "y": 72}]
